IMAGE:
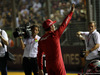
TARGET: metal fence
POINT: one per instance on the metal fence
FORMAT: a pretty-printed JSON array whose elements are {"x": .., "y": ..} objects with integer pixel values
[{"x": 69, "y": 36}]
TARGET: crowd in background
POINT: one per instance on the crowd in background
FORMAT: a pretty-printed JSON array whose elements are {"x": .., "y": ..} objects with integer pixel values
[{"x": 35, "y": 12}]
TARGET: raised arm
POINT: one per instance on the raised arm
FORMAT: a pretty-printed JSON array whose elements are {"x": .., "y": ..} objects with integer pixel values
[{"x": 66, "y": 21}]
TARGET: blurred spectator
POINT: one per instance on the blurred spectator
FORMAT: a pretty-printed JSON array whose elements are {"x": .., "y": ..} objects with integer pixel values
[
  {"x": 83, "y": 9},
  {"x": 68, "y": 6},
  {"x": 9, "y": 20},
  {"x": 24, "y": 11},
  {"x": 11, "y": 43},
  {"x": 75, "y": 1},
  {"x": 23, "y": 1},
  {"x": 57, "y": 16},
  {"x": 5, "y": 11},
  {"x": 17, "y": 21},
  {"x": 60, "y": 8},
  {"x": 2, "y": 22},
  {"x": 82, "y": 13},
  {"x": 36, "y": 11},
  {"x": 37, "y": 6},
  {"x": 30, "y": 3},
  {"x": 31, "y": 18},
  {"x": 20, "y": 17}
]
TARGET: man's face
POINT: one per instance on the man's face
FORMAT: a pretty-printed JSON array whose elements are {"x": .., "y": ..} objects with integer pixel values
[
  {"x": 35, "y": 31},
  {"x": 92, "y": 27},
  {"x": 52, "y": 27}
]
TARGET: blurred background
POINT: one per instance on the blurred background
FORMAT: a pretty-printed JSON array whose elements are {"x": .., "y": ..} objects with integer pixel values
[{"x": 17, "y": 13}]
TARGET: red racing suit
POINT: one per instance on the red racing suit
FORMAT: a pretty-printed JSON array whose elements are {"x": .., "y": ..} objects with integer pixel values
[{"x": 49, "y": 44}]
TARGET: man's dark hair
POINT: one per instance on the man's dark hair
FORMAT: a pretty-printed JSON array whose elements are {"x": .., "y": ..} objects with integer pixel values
[
  {"x": 93, "y": 22},
  {"x": 36, "y": 26}
]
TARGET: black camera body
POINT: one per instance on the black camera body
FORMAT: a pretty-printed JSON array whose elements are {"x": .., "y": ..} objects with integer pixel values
[{"x": 23, "y": 31}]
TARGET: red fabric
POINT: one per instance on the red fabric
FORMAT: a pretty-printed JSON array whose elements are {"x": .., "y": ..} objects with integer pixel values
[
  {"x": 11, "y": 43},
  {"x": 49, "y": 44},
  {"x": 48, "y": 23}
]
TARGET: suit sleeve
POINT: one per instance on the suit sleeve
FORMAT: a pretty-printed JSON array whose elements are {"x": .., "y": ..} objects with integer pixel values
[
  {"x": 40, "y": 58},
  {"x": 66, "y": 21}
]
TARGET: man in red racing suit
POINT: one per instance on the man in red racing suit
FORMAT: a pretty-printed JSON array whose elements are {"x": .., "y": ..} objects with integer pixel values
[{"x": 49, "y": 45}]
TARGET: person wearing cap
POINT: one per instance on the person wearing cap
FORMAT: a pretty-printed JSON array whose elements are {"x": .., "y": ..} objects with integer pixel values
[
  {"x": 30, "y": 47},
  {"x": 49, "y": 44}
]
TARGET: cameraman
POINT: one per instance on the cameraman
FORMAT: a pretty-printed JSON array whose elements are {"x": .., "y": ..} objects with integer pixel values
[
  {"x": 3, "y": 50},
  {"x": 30, "y": 46}
]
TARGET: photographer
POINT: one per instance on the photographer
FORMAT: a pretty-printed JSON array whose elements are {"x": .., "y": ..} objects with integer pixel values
[
  {"x": 3, "y": 50},
  {"x": 92, "y": 43},
  {"x": 30, "y": 45}
]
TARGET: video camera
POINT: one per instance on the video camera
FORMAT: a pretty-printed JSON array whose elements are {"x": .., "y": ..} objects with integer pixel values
[{"x": 23, "y": 31}]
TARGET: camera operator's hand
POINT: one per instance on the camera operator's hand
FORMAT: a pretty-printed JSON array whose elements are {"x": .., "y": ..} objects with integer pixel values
[{"x": 22, "y": 43}]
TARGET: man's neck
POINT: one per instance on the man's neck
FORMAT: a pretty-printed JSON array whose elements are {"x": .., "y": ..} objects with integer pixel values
[
  {"x": 33, "y": 36},
  {"x": 92, "y": 31},
  {"x": 47, "y": 32}
]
